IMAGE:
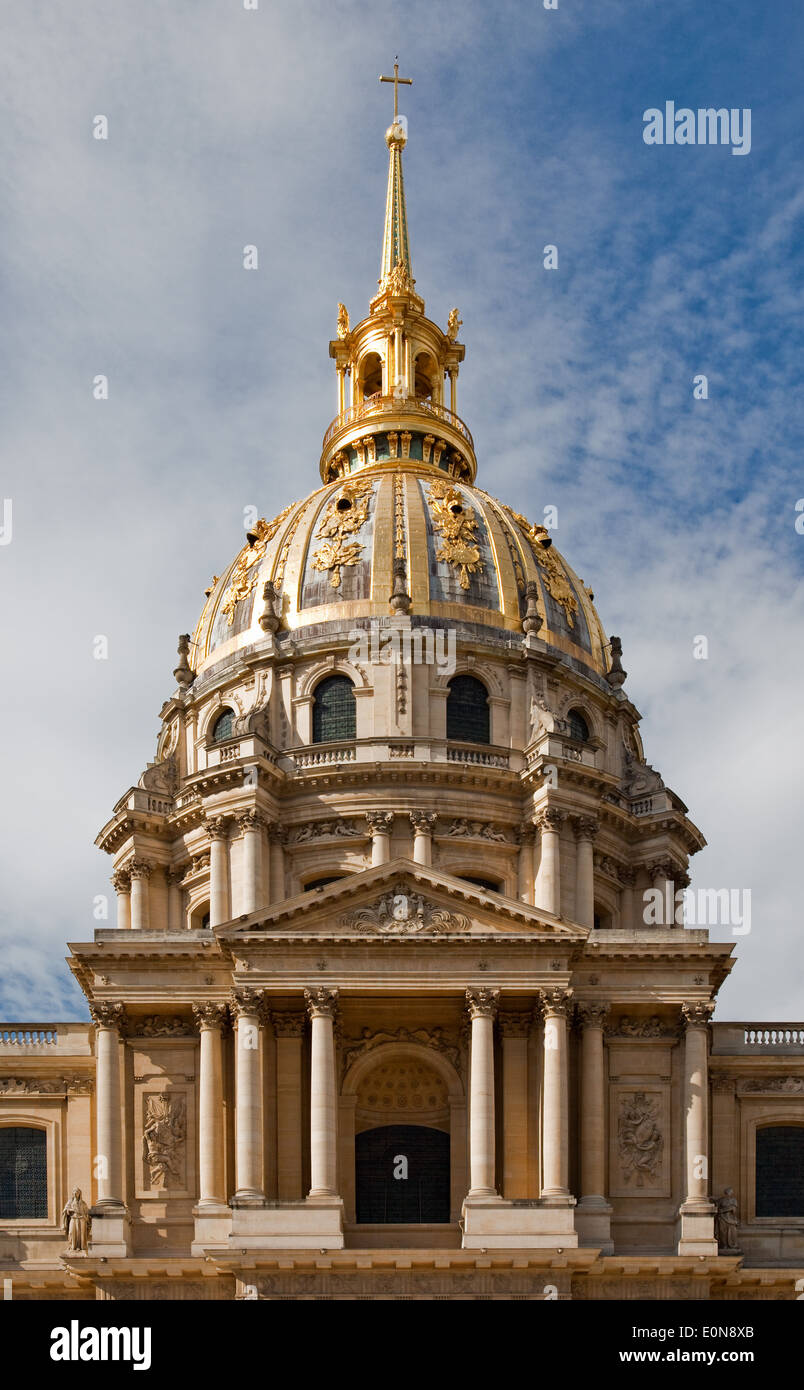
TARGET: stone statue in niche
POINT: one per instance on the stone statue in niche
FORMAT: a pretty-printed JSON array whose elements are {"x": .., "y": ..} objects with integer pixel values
[
  {"x": 727, "y": 1220},
  {"x": 163, "y": 1138},
  {"x": 640, "y": 1139},
  {"x": 77, "y": 1224}
]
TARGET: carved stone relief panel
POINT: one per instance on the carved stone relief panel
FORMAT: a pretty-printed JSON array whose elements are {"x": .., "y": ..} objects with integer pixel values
[
  {"x": 164, "y": 1138},
  {"x": 640, "y": 1140}
]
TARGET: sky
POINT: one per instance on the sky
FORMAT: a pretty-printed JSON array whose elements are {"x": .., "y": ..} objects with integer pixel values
[{"x": 264, "y": 126}]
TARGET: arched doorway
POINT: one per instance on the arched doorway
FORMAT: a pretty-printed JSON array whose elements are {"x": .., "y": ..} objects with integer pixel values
[
  {"x": 403, "y": 1100},
  {"x": 402, "y": 1175}
]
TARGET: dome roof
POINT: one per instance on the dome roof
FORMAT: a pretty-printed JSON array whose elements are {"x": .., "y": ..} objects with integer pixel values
[{"x": 466, "y": 558}]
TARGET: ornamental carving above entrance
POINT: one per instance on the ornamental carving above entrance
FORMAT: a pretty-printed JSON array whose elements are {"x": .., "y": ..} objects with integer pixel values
[{"x": 403, "y": 913}]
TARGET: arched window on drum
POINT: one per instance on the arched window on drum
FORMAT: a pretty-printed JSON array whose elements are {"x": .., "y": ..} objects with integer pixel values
[
  {"x": 334, "y": 710},
  {"x": 468, "y": 710}
]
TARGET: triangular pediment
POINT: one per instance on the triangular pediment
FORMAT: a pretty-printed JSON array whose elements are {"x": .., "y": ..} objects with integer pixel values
[{"x": 404, "y": 899}]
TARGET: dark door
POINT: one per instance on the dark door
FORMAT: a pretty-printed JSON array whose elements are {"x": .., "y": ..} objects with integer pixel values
[{"x": 402, "y": 1175}]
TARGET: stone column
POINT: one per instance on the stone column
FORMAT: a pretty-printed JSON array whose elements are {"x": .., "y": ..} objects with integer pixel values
[
  {"x": 526, "y": 835},
  {"x": 248, "y": 1007},
  {"x": 423, "y": 823},
  {"x": 697, "y": 1227},
  {"x": 515, "y": 1030},
  {"x": 593, "y": 1104},
  {"x": 140, "y": 871},
  {"x": 380, "y": 824},
  {"x": 555, "y": 1167},
  {"x": 278, "y": 835},
  {"x": 216, "y": 828},
  {"x": 175, "y": 915},
  {"x": 251, "y": 825},
  {"x": 289, "y": 1029},
  {"x": 453, "y": 390},
  {"x": 586, "y": 828},
  {"x": 661, "y": 877},
  {"x": 121, "y": 881},
  {"x": 210, "y": 1018},
  {"x": 321, "y": 1006},
  {"x": 108, "y": 1019},
  {"x": 548, "y": 881},
  {"x": 482, "y": 1005},
  {"x": 627, "y": 877}
]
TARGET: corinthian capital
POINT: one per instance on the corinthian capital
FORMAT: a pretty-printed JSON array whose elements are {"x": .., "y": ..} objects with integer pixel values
[
  {"x": 697, "y": 1014},
  {"x": 321, "y": 1003},
  {"x": 216, "y": 827},
  {"x": 593, "y": 1014},
  {"x": 107, "y": 1013},
  {"x": 585, "y": 827},
  {"x": 208, "y": 1014},
  {"x": 247, "y": 1003},
  {"x": 482, "y": 1003},
  {"x": 289, "y": 1025},
  {"x": 139, "y": 868},
  {"x": 423, "y": 822},
  {"x": 379, "y": 822},
  {"x": 515, "y": 1025},
  {"x": 250, "y": 820},
  {"x": 556, "y": 1003},
  {"x": 549, "y": 820},
  {"x": 121, "y": 881}
]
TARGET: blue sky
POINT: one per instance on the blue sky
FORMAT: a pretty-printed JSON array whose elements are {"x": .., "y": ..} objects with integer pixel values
[{"x": 124, "y": 257}]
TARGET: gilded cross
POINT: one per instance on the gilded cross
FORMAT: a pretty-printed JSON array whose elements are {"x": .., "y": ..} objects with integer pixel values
[{"x": 397, "y": 81}]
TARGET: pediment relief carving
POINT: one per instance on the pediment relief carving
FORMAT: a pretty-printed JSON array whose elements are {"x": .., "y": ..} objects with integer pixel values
[{"x": 402, "y": 912}]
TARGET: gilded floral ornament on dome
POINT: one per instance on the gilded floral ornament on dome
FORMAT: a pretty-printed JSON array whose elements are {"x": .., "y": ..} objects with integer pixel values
[
  {"x": 244, "y": 575},
  {"x": 456, "y": 524},
  {"x": 556, "y": 582},
  {"x": 344, "y": 514}
]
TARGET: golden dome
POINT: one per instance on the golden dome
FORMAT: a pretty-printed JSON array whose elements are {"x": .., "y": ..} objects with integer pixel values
[
  {"x": 398, "y": 510},
  {"x": 466, "y": 558}
]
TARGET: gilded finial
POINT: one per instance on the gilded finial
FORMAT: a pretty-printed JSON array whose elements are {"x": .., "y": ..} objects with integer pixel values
[
  {"x": 453, "y": 324},
  {"x": 343, "y": 321}
]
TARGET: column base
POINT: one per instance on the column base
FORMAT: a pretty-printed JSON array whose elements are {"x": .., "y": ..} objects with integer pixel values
[
  {"x": 316, "y": 1224},
  {"x": 593, "y": 1224},
  {"x": 249, "y": 1200},
  {"x": 213, "y": 1223},
  {"x": 111, "y": 1231},
  {"x": 493, "y": 1223},
  {"x": 695, "y": 1229}
]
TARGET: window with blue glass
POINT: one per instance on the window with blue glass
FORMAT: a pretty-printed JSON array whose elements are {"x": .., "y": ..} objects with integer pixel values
[
  {"x": 223, "y": 727},
  {"x": 468, "y": 710},
  {"x": 334, "y": 715},
  {"x": 23, "y": 1174}
]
